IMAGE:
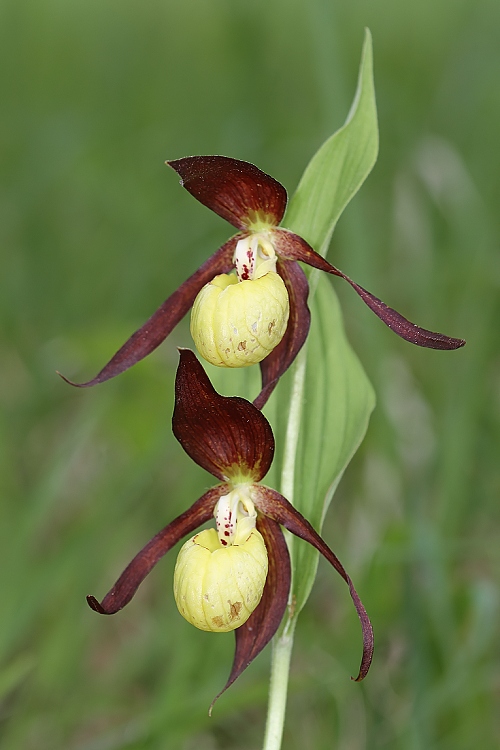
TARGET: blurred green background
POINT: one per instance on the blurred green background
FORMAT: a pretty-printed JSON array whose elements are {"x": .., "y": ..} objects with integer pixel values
[{"x": 96, "y": 232}]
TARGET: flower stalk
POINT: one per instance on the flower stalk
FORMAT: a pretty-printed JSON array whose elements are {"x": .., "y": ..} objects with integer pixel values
[
  {"x": 282, "y": 645},
  {"x": 278, "y": 686}
]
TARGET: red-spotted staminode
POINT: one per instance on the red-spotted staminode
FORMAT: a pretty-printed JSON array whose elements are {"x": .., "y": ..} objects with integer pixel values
[
  {"x": 238, "y": 576},
  {"x": 268, "y": 324}
]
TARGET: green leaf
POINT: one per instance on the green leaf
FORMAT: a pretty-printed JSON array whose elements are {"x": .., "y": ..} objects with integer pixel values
[
  {"x": 337, "y": 402},
  {"x": 336, "y": 398},
  {"x": 339, "y": 168}
]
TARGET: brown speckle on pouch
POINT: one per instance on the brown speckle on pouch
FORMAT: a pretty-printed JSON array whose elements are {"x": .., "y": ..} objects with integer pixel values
[{"x": 235, "y": 609}]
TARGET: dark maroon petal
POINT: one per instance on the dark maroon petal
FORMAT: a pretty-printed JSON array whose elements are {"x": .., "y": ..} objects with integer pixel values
[
  {"x": 134, "y": 574},
  {"x": 293, "y": 247},
  {"x": 280, "y": 359},
  {"x": 227, "y": 436},
  {"x": 278, "y": 508},
  {"x": 263, "y": 623},
  {"x": 162, "y": 322},
  {"x": 234, "y": 189}
]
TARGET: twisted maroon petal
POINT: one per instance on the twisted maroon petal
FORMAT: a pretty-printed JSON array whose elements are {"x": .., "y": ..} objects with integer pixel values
[
  {"x": 162, "y": 322},
  {"x": 234, "y": 189},
  {"x": 263, "y": 623},
  {"x": 278, "y": 508},
  {"x": 280, "y": 359},
  {"x": 227, "y": 436},
  {"x": 293, "y": 247},
  {"x": 134, "y": 574}
]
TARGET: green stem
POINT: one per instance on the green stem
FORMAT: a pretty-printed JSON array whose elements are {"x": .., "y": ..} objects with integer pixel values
[
  {"x": 282, "y": 652},
  {"x": 283, "y": 642},
  {"x": 293, "y": 426}
]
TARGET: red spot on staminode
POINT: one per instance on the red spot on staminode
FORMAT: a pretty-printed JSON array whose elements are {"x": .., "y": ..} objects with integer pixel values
[
  {"x": 226, "y": 533},
  {"x": 223, "y": 541}
]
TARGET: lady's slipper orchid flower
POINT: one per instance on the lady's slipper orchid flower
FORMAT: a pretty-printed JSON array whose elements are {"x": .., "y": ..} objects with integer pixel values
[
  {"x": 238, "y": 576},
  {"x": 236, "y": 322}
]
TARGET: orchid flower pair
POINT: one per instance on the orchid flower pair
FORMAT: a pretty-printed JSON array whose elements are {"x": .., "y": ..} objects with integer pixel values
[
  {"x": 249, "y": 303},
  {"x": 261, "y": 313},
  {"x": 238, "y": 576}
]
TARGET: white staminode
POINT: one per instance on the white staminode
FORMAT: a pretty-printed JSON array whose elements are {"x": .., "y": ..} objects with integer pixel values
[
  {"x": 254, "y": 256},
  {"x": 235, "y": 516}
]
